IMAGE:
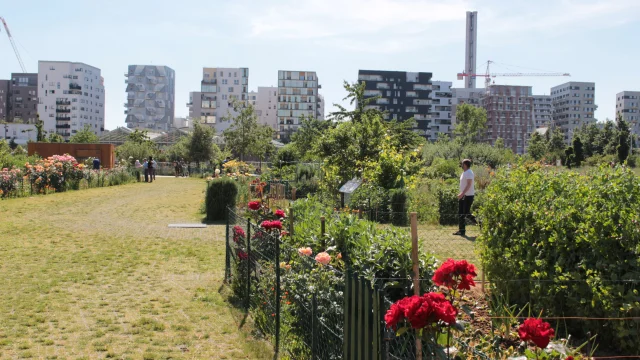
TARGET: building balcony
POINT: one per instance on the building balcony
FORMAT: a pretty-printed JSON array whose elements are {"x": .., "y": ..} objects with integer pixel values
[
  {"x": 66, "y": 111},
  {"x": 190, "y": 104},
  {"x": 63, "y": 118},
  {"x": 65, "y": 126},
  {"x": 75, "y": 87},
  {"x": 62, "y": 102},
  {"x": 383, "y": 86},
  {"x": 65, "y": 134}
]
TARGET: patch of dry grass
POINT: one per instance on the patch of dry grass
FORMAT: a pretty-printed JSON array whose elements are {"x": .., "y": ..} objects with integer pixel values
[{"x": 98, "y": 274}]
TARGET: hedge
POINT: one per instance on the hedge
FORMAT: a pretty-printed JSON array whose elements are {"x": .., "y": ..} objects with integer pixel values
[
  {"x": 568, "y": 245},
  {"x": 221, "y": 193}
]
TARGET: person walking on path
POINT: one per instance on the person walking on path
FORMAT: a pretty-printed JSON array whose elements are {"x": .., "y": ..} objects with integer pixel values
[
  {"x": 138, "y": 166},
  {"x": 151, "y": 168},
  {"x": 154, "y": 168},
  {"x": 145, "y": 166},
  {"x": 465, "y": 196}
]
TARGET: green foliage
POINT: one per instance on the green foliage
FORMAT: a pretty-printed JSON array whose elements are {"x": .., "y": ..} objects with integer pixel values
[
  {"x": 84, "y": 136},
  {"x": 309, "y": 131},
  {"x": 448, "y": 203},
  {"x": 180, "y": 150},
  {"x": 423, "y": 200},
  {"x": 55, "y": 138},
  {"x": 399, "y": 207},
  {"x": 286, "y": 156},
  {"x": 589, "y": 135},
  {"x": 136, "y": 150},
  {"x": 443, "y": 169},
  {"x": 356, "y": 98},
  {"x": 537, "y": 146},
  {"x": 245, "y": 136},
  {"x": 578, "y": 235},
  {"x": 578, "y": 152},
  {"x": 471, "y": 123},
  {"x": 374, "y": 198},
  {"x": 499, "y": 143},
  {"x": 201, "y": 143},
  {"x": 570, "y": 157},
  {"x": 221, "y": 192},
  {"x": 624, "y": 139},
  {"x": 12, "y": 158},
  {"x": 556, "y": 146},
  {"x": 607, "y": 140},
  {"x": 40, "y": 137},
  {"x": 480, "y": 154}
]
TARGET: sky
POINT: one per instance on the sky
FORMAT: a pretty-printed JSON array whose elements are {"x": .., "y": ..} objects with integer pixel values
[{"x": 593, "y": 40}]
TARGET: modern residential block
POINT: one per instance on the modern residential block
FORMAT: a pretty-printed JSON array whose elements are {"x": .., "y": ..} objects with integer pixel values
[
  {"x": 213, "y": 104},
  {"x": 403, "y": 95},
  {"x": 627, "y": 107},
  {"x": 150, "y": 97},
  {"x": 461, "y": 96},
  {"x": 297, "y": 96},
  {"x": 4, "y": 99},
  {"x": 71, "y": 95},
  {"x": 441, "y": 100},
  {"x": 266, "y": 103},
  {"x": 470, "y": 49},
  {"x": 509, "y": 115},
  {"x": 542, "y": 110},
  {"x": 573, "y": 106},
  {"x": 23, "y": 98}
]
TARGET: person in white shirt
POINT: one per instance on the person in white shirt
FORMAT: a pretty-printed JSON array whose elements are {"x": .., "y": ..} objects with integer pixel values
[{"x": 465, "y": 196}]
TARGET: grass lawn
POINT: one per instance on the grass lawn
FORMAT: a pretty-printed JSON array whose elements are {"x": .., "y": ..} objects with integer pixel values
[
  {"x": 440, "y": 241},
  {"x": 98, "y": 274}
]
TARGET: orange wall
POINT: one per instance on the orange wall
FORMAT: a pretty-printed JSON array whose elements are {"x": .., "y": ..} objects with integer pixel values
[{"x": 104, "y": 152}]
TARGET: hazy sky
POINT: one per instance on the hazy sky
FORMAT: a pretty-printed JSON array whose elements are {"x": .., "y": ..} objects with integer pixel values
[{"x": 594, "y": 40}]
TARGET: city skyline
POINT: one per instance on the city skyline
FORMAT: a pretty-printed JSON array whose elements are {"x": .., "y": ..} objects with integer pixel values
[{"x": 589, "y": 39}]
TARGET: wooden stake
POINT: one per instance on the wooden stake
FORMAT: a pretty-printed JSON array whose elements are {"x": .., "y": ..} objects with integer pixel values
[{"x": 416, "y": 270}]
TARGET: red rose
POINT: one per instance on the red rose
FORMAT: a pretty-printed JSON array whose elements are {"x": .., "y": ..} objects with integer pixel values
[
  {"x": 569, "y": 358},
  {"x": 275, "y": 224},
  {"x": 242, "y": 255},
  {"x": 279, "y": 213},
  {"x": 536, "y": 331},
  {"x": 395, "y": 314},
  {"x": 254, "y": 205},
  {"x": 266, "y": 224},
  {"x": 455, "y": 275}
]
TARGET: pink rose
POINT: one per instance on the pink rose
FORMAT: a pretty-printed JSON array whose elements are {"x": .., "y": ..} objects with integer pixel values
[
  {"x": 323, "y": 258},
  {"x": 305, "y": 251}
]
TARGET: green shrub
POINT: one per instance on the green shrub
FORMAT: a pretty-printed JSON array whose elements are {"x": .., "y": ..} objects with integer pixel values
[
  {"x": 448, "y": 203},
  {"x": 306, "y": 172},
  {"x": 307, "y": 187},
  {"x": 424, "y": 200},
  {"x": 579, "y": 235},
  {"x": 399, "y": 207},
  {"x": 286, "y": 156},
  {"x": 443, "y": 169},
  {"x": 374, "y": 199},
  {"x": 221, "y": 193}
]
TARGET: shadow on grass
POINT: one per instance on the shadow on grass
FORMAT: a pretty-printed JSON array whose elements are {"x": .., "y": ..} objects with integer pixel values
[
  {"x": 213, "y": 222},
  {"x": 237, "y": 305}
]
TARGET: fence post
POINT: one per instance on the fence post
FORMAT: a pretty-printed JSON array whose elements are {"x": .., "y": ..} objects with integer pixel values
[
  {"x": 291, "y": 217},
  {"x": 227, "y": 259},
  {"x": 416, "y": 271},
  {"x": 322, "y": 226},
  {"x": 247, "y": 300},
  {"x": 278, "y": 295},
  {"x": 293, "y": 194},
  {"x": 314, "y": 330}
]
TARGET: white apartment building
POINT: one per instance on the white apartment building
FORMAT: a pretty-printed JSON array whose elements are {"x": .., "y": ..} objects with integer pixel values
[
  {"x": 266, "y": 106},
  {"x": 321, "y": 113},
  {"x": 542, "y": 110},
  {"x": 297, "y": 96},
  {"x": 465, "y": 96},
  {"x": 441, "y": 103},
  {"x": 627, "y": 106},
  {"x": 573, "y": 106},
  {"x": 71, "y": 95},
  {"x": 213, "y": 104},
  {"x": 150, "y": 97}
]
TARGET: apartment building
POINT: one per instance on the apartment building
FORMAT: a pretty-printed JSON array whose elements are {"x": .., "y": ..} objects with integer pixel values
[
  {"x": 23, "y": 98},
  {"x": 542, "y": 110},
  {"x": 213, "y": 104},
  {"x": 509, "y": 115},
  {"x": 71, "y": 96},
  {"x": 573, "y": 105},
  {"x": 627, "y": 107},
  {"x": 4, "y": 99},
  {"x": 297, "y": 97},
  {"x": 265, "y": 105},
  {"x": 321, "y": 107},
  {"x": 441, "y": 103},
  {"x": 461, "y": 96},
  {"x": 150, "y": 97},
  {"x": 402, "y": 95}
]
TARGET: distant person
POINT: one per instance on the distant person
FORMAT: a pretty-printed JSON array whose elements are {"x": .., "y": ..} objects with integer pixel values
[
  {"x": 96, "y": 164},
  {"x": 151, "y": 168},
  {"x": 465, "y": 197},
  {"x": 154, "y": 168},
  {"x": 138, "y": 166},
  {"x": 145, "y": 166},
  {"x": 176, "y": 167}
]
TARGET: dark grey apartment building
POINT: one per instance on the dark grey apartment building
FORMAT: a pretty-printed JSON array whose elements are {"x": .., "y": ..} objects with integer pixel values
[
  {"x": 402, "y": 95},
  {"x": 22, "y": 104}
]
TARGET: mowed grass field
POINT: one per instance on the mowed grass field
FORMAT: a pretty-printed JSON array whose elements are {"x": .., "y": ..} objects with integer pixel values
[{"x": 98, "y": 274}]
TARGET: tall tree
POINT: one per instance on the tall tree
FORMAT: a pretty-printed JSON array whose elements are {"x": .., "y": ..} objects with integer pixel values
[
  {"x": 355, "y": 96},
  {"x": 309, "y": 132},
  {"x": 607, "y": 141},
  {"x": 499, "y": 143},
  {"x": 263, "y": 146},
  {"x": 569, "y": 157},
  {"x": 201, "y": 141},
  {"x": 39, "y": 128},
  {"x": 578, "y": 153},
  {"x": 589, "y": 135},
  {"x": 537, "y": 146},
  {"x": 556, "y": 146},
  {"x": 471, "y": 123},
  {"x": 624, "y": 139},
  {"x": 245, "y": 132},
  {"x": 403, "y": 135},
  {"x": 84, "y": 136}
]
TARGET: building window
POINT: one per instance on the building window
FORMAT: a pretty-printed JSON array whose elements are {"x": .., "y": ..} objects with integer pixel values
[{"x": 230, "y": 89}]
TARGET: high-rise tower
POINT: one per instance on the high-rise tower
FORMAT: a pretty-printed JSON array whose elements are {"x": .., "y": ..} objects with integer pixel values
[{"x": 470, "y": 49}]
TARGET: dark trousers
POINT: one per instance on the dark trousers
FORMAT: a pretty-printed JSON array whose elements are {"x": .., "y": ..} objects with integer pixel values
[
  {"x": 464, "y": 212},
  {"x": 146, "y": 175}
]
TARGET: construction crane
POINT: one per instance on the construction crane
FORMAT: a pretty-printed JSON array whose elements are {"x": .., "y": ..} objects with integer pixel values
[
  {"x": 488, "y": 75},
  {"x": 15, "y": 48}
]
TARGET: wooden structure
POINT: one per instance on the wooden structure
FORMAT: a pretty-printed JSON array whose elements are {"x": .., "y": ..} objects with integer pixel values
[{"x": 105, "y": 152}]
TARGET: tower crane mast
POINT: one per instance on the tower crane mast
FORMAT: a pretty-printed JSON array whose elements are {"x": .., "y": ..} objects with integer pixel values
[{"x": 13, "y": 44}]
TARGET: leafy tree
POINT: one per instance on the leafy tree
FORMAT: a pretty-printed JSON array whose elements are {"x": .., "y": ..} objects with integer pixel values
[
  {"x": 471, "y": 123},
  {"x": 19, "y": 150},
  {"x": 589, "y": 135},
  {"x": 200, "y": 144},
  {"x": 263, "y": 146},
  {"x": 499, "y": 143},
  {"x": 139, "y": 136},
  {"x": 355, "y": 95},
  {"x": 578, "y": 153},
  {"x": 569, "y": 157},
  {"x": 245, "y": 132},
  {"x": 285, "y": 156},
  {"x": 132, "y": 151},
  {"x": 403, "y": 135},
  {"x": 39, "y": 128},
  {"x": 13, "y": 144},
  {"x": 84, "y": 136},
  {"x": 622, "y": 129},
  {"x": 537, "y": 146},
  {"x": 556, "y": 146},
  {"x": 179, "y": 150},
  {"x": 55, "y": 138},
  {"x": 309, "y": 132},
  {"x": 607, "y": 141}
]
